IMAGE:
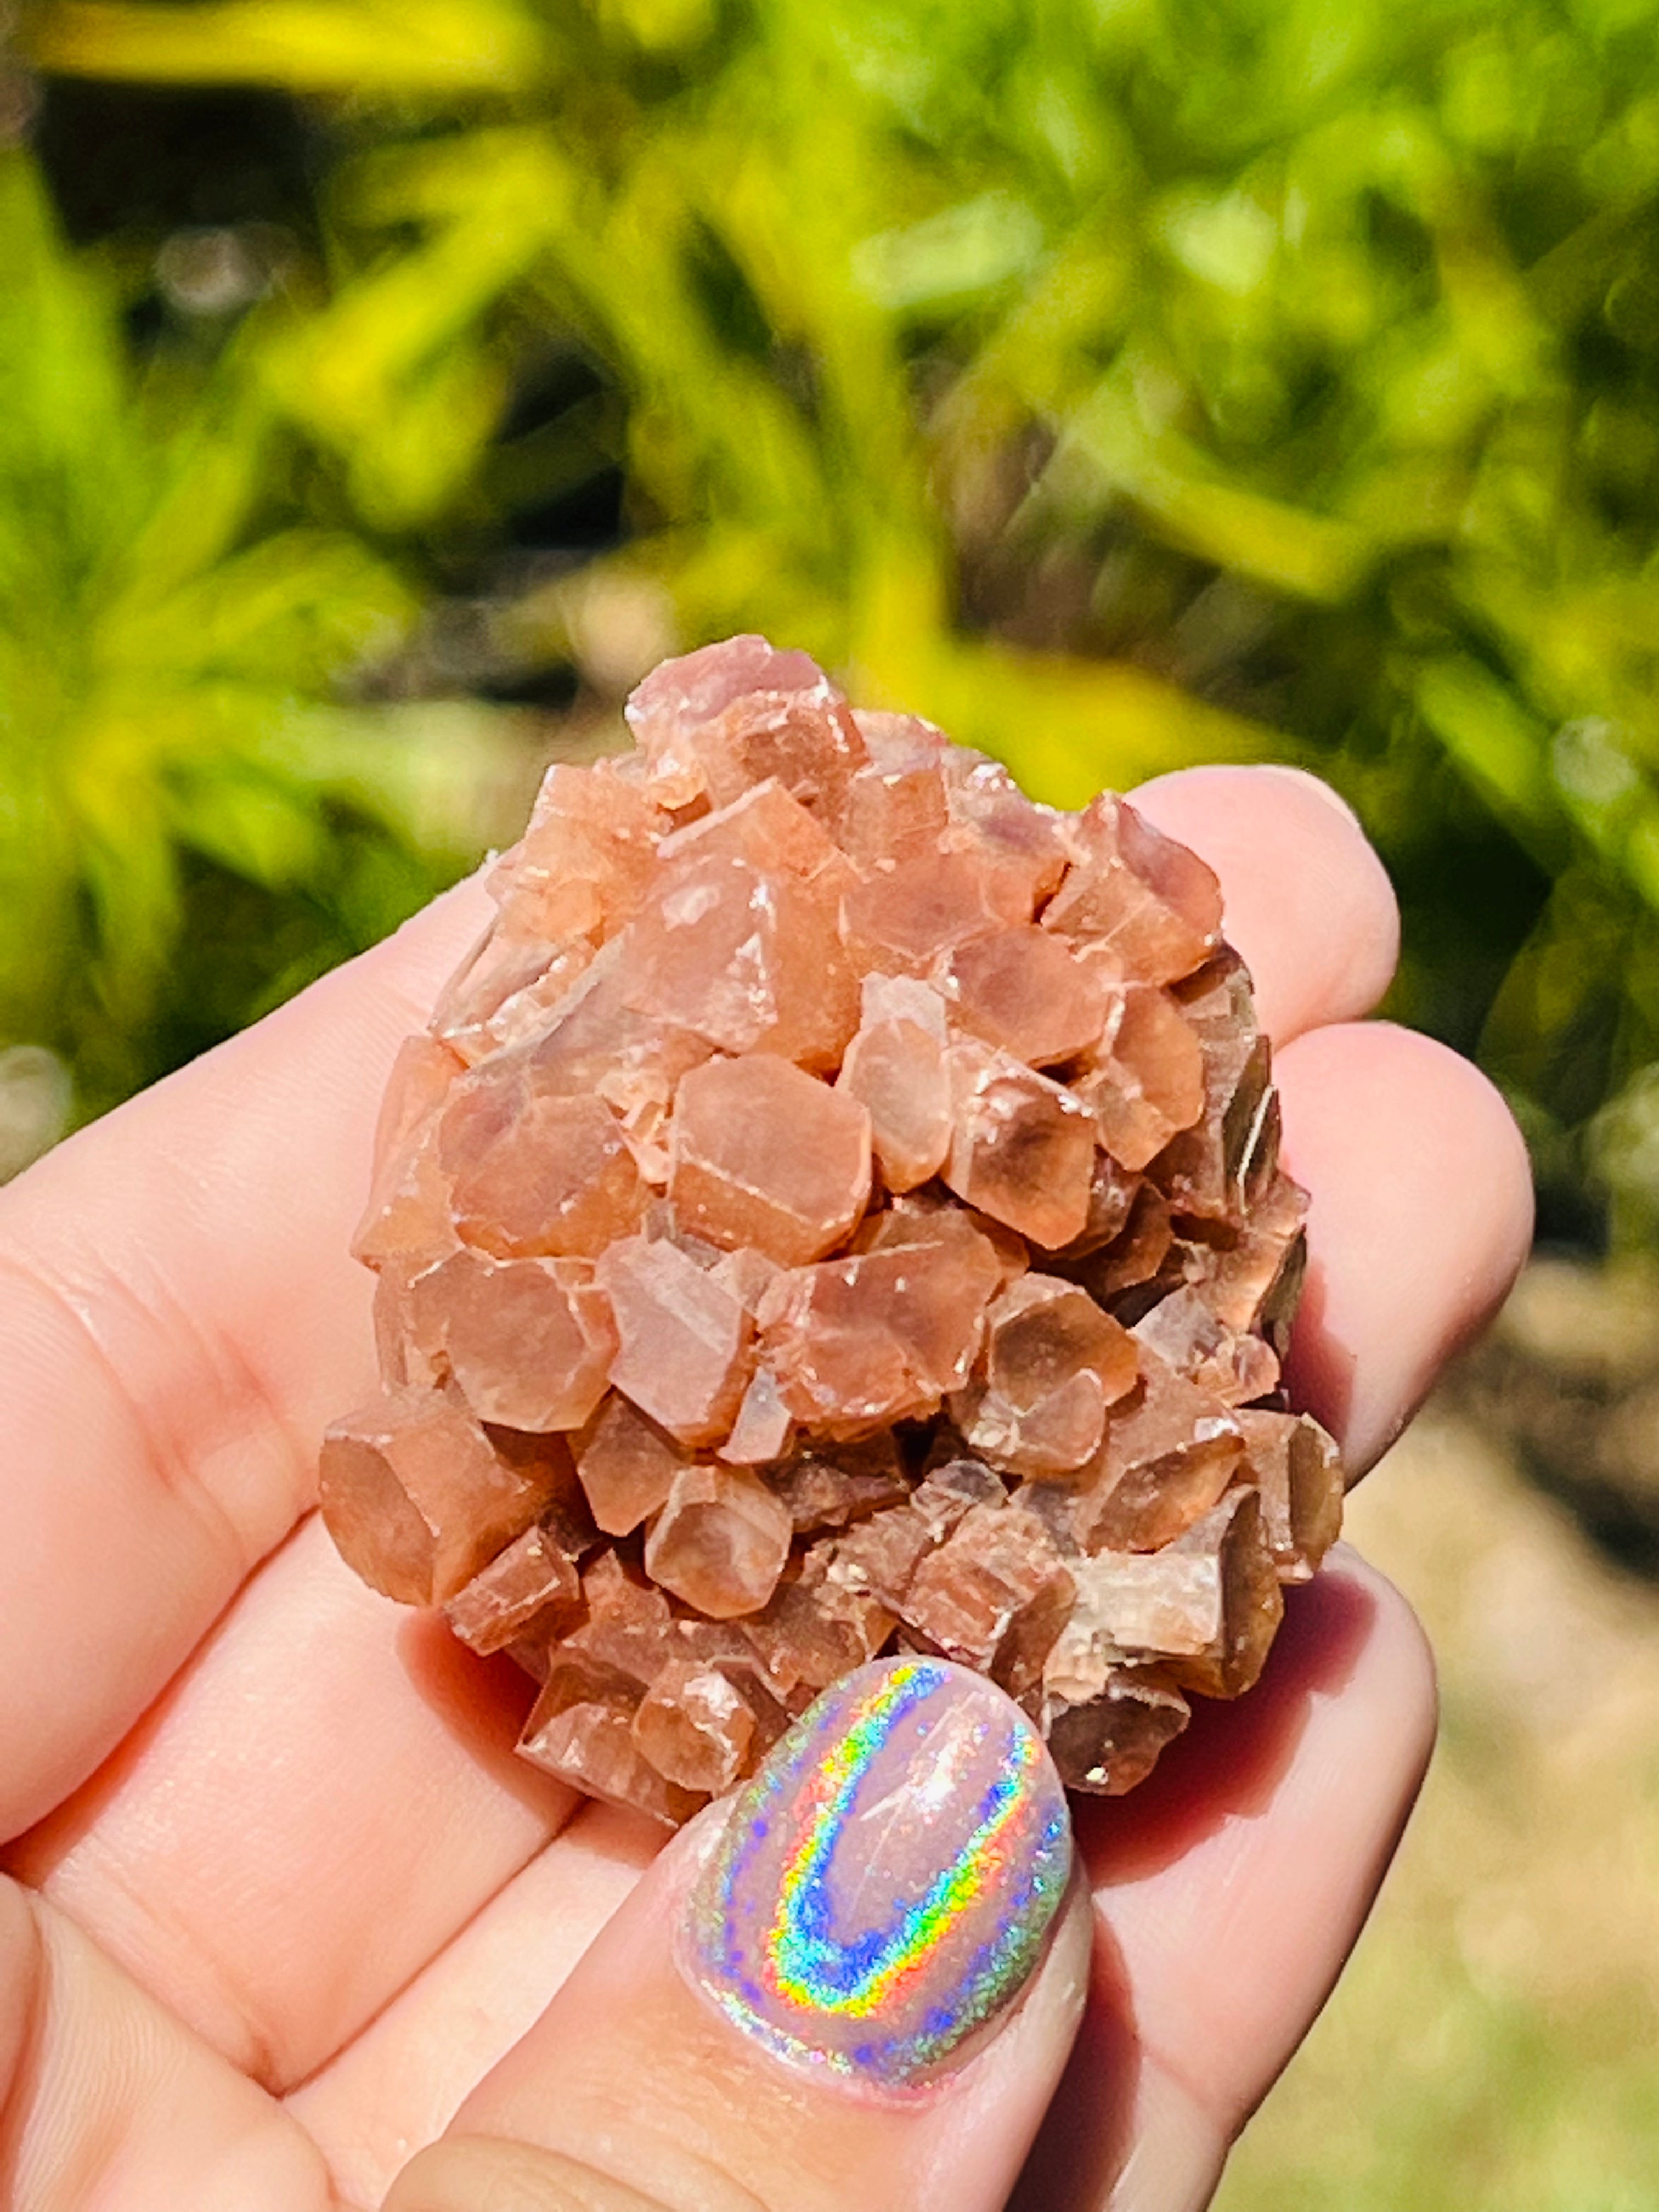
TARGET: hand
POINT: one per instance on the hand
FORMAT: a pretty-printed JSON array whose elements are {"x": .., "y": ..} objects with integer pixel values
[{"x": 284, "y": 1901}]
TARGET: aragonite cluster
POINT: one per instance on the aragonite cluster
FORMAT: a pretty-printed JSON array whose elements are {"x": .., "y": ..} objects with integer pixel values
[{"x": 836, "y": 1209}]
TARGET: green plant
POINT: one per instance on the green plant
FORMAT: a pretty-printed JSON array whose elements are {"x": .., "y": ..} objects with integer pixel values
[
  {"x": 1121, "y": 382},
  {"x": 174, "y": 766}
]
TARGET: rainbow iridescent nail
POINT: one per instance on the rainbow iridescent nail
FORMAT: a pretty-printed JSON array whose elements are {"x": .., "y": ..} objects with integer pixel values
[{"x": 883, "y": 1885}]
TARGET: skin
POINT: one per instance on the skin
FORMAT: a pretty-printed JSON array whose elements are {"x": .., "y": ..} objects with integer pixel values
[{"x": 280, "y": 1906}]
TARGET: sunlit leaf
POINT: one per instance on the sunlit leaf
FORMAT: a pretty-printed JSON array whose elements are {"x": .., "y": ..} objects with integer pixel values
[{"x": 431, "y": 46}]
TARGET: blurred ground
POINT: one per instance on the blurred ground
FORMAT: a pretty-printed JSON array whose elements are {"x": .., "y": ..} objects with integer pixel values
[{"x": 1492, "y": 2047}]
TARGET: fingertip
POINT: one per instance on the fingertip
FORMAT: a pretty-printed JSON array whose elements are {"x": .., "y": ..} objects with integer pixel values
[
  {"x": 886, "y": 2033},
  {"x": 1421, "y": 1217},
  {"x": 1406, "y": 1672},
  {"x": 1235, "y": 1884},
  {"x": 1307, "y": 902}
]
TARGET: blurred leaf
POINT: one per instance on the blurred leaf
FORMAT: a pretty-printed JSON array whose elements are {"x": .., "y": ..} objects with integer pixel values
[
  {"x": 1476, "y": 720},
  {"x": 416, "y": 46},
  {"x": 956, "y": 255},
  {"x": 163, "y": 622}
]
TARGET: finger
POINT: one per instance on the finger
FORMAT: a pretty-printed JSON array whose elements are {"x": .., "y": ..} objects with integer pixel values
[
  {"x": 856, "y": 1984},
  {"x": 402, "y": 2079},
  {"x": 1229, "y": 1890},
  {"x": 321, "y": 1801},
  {"x": 105, "y": 2100},
  {"x": 1421, "y": 1217},
  {"x": 182, "y": 1319},
  {"x": 1296, "y": 1793},
  {"x": 1306, "y": 900}
]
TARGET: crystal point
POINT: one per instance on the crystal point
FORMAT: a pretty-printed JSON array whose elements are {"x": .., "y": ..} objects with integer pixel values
[{"x": 1021, "y": 1147}]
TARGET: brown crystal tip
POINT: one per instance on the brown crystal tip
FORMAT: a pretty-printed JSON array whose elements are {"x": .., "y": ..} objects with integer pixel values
[{"x": 835, "y": 1208}]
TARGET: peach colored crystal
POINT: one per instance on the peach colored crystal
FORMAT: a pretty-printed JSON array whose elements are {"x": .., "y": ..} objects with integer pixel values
[
  {"x": 417, "y": 1500},
  {"x": 530, "y": 1344},
  {"x": 626, "y": 1465},
  {"x": 682, "y": 1338},
  {"x": 1021, "y": 1147},
  {"x": 835, "y": 1208},
  {"x": 764, "y": 1156},
  {"x": 530, "y": 1174},
  {"x": 1022, "y": 990},
  {"x": 720, "y": 1541},
  {"x": 896, "y": 1070},
  {"x": 531, "y": 1589},
  {"x": 695, "y": 1727}
]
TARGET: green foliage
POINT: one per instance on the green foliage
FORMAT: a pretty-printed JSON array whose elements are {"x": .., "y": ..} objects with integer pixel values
[
  {"x": 170, "y": 758},
  {"x": 1122, "y": 382}
]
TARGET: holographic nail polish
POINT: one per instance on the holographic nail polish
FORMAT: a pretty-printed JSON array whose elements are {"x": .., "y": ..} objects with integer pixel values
[{"x": 883, "y": 1885}]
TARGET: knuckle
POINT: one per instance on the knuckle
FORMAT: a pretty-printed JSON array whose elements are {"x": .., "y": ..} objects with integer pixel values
[{"x": 490, "y": 2173}]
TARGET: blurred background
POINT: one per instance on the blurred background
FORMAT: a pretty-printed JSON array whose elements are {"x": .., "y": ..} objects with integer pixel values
[{"x": 386, "y": 383}]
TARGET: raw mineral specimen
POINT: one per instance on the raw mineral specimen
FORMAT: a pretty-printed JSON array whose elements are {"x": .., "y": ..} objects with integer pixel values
[{"x": 836, "y": 1209}]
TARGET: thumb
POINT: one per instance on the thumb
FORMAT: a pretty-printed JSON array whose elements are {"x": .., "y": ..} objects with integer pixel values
[{"x": 852, "y": 1989}]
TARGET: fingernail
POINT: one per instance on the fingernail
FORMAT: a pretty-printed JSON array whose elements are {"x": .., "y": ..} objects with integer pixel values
[{"x": 883, "y": 1885}]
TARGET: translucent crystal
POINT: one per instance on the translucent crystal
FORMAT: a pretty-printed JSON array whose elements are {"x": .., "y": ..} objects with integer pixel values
[
  {"x": 1054, "y": 1363},
  {"x": 528, "y": 1343},
  {"x": 695, "y": 1727},
  {"x": 508, "y": 995},
  {"x": 674, "y": 711},
  {"x": 1143, "y": 1078},
  {"x": 417, "y": 1500},
  {"x": 583, "y": 863},
  {"x": 835, "y": 1208},
  {"x": 1111, "y": 1741},
  {"x": 748, "y": 957},
  {"x": 764, "y": 1156},
  {"x": 1171, "y": 1449},
  {"x": 1227, "y": 1156},
  {"x": 765, "y": 829},
  {"x": 1021, "y": 1147},
  {"x": 720, "y": 1541},
  {"x": 760, "y": 1433},
  {"x": 1021, "y": 990},
  {"x": 531, "y": 1588},
  {"x": 683, "y": 1340},
  {"x": 895, "y": 814},
  {"x": 406, "y": 1220},
  {"x": 1137, "y": 892},
  {"x": 532, "y": 1175},
  {"x": 900, "y": 923},
  {"x": 629, "y": 1622},
  {"x": 992, "y": 1596},
  {"x": 626, "y": 1465},
  {"x": 1298, "y": 1470},
  {"x": 581, "y": 1730},
  {"x": 858, "y": 1344},
  {"x": 897, "y": 1071},
  {"x": 1206, "y": 1606},
  {"x": 1187, "y": 1336}
]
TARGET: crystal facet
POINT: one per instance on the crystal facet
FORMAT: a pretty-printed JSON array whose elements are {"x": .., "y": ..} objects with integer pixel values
[{"x": 835, "y": 1208}]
